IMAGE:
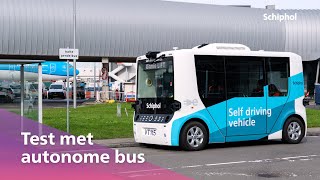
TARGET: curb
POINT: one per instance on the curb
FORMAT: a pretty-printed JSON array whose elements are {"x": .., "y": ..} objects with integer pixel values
[
  {"x": 122, "y": 145},
  {"x": 131, "y": 143},
  {"x": 313, "y": 133},
  {"x": 117, "y": 143}
]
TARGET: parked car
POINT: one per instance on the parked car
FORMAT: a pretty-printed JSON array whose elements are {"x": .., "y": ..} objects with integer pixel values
[
  {"x": 80, "y": 90},
  {"x": 57, "y": 90},
  {"x": 6, "y": 95},
  {"x": 34, "y": 90},
  {"x": 16, "y": 90}
]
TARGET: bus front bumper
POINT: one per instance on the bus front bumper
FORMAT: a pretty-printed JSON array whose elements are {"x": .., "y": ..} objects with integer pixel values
[{"x": 152, "y": 133}]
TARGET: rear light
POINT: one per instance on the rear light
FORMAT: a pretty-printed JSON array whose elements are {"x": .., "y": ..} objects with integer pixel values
[
  {"x": 307, "y": 94},
  {"x": 167, "y": 119}
]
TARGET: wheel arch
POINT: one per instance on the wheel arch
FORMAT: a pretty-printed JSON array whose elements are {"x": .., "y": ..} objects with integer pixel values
[
  {"x": 285, "y": 137},
  {"x": 296, "y": 116},
  {"x": 195, "y": 120}
]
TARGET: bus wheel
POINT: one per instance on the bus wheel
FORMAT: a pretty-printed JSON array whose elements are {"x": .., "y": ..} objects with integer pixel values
[
  {"x": 193, "y": 137},
  {"x": 293, "y": 131}
]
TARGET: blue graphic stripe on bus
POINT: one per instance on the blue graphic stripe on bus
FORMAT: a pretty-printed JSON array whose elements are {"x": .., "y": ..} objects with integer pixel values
[
  {"x": 245, "y": 138},
  {"x": 296, "y": 84},
  {"x": 50, "y": 68},
  {"x": 283, "y": 107},
  {"x": 214, "y": 133},
  {"x": 276, "y": 104},
  {"x": 252, "y": 120},
  {"x": 288, "y": 110},
  {"x": 247, "y": 116},
  {"x": 216, "y": 114}
]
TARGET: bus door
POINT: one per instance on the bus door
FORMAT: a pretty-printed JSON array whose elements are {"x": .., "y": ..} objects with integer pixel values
[
  {"x": 211, "y": 88},
  {"x": 277, "y": 96},
  {"x": 246, "y": 93}
]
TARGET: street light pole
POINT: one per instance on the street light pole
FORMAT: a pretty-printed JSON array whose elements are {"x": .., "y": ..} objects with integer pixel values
[
  {"x": 74, "y": 60},
  {"x": 95, "y": 80},
  {"x": 317, "y": 73},
  {"x": 67, "y": 94}
]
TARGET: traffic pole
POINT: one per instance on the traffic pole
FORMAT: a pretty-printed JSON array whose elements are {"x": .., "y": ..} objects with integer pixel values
[{"x": 74, "y": 60}]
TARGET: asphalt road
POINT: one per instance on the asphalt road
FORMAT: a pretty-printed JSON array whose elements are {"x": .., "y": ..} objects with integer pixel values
[{"x": 246, "y": 160}]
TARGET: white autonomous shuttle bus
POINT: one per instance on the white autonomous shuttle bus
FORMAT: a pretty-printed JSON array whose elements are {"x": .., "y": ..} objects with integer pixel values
[{"x": 216, "y": 93}]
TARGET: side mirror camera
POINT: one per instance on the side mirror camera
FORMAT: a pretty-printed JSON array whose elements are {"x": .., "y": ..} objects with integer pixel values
[
  {"x": 175, "y": 106},
  {"x": 136, "y": 104}
]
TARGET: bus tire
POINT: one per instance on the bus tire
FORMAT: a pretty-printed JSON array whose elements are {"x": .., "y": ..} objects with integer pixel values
[
  {"x": 293, "y": 131},
  {"x": 193, "y": 136}
]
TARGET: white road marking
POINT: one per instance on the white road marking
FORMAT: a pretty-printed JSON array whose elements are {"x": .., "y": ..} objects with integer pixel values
[
  {"x": 293, "y": 175},
  {"x": 79, "y": 151},
  {"x": 305, "y": 159},
  {"x": 226, "y": 163},
  {"x": 145, "y": 170},
  {"x": 141, "y": 175},
  {"x": 226, "y": 173},
  {"x": 290, "y": 159},
  {"x": 193, "y": 166},
  {"x": 295, "y": 157}
]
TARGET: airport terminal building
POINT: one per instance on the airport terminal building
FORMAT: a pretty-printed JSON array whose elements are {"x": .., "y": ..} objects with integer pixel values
[{"x": 121, "y": 30}]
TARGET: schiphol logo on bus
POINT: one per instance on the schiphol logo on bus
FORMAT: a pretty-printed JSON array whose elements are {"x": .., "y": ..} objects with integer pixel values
[
  {"x": 297, "y": 83},
  {"x": 153, "y": 106}
]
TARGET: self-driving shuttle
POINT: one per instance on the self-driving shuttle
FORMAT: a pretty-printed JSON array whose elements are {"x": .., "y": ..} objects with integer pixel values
[{"x": 216, "y": 93}]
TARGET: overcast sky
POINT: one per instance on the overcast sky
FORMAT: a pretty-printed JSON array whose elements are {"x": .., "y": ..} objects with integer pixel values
[{"x": 280, "y": 4}]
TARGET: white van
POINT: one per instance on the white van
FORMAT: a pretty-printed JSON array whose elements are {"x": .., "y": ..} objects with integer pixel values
[{"x": 57, "y": 90}]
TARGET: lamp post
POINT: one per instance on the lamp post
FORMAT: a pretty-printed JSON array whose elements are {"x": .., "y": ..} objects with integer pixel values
[{"x": 74, "y": 60}]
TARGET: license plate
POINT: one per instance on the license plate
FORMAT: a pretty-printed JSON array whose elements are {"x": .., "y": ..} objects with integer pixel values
[{"x": 150, "y": 131}]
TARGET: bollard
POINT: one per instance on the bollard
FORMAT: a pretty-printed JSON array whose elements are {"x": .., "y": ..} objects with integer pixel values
[
  {"x": 317, "y": 94},
  {"x": 125, "y": 109},
  {"x": 119, "y": 109}
]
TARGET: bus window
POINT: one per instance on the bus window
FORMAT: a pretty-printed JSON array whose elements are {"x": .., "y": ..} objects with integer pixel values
[
  {"x": 277, "y": 76},
  {"x": 245, "y": 76},
  {"x": 211, "y": 79},
  {"x": 156, "y": 79}
]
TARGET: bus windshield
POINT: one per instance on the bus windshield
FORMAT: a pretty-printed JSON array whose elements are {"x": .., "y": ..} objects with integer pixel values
[{"x": 155, "y": 79}]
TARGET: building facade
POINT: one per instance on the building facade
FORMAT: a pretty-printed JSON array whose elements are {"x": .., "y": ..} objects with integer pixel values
[{"x": 124, "y": 29}]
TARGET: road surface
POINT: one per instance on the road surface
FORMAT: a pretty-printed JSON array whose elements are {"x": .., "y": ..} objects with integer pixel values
[{"x": 246, "y": 160}]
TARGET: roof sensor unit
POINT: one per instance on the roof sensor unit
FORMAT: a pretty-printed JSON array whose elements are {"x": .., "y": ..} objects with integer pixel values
[
  {"x": 223, "y": 47},
  {"x": 202, "y": 45},
  {"x": 152, "y": 54}
]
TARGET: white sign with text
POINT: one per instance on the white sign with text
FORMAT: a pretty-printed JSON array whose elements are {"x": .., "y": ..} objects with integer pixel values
[{"x": 68, "y": 53}]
